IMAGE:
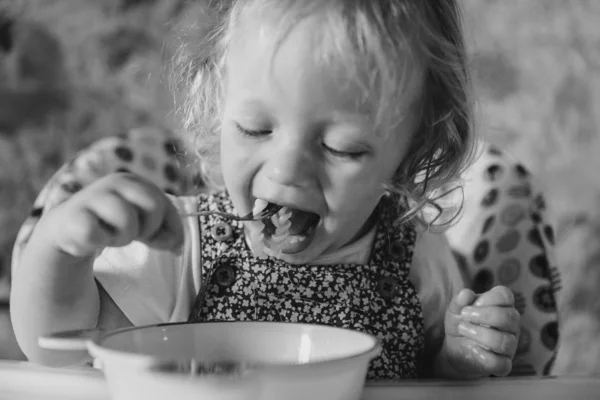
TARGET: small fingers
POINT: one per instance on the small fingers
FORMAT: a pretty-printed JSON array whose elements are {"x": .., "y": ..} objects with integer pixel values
[
  {"x": 491, "y": 363},
  {"x": 499, "y": 296},
  {"x": 93, "y": 225},
  {"x": 115, "y": 217},
  {"x": 82, "y": 234},
  {"x": 453, "y": 317},
  {"x": 503, "y": 318},
  {"x": 145, "y": 197},
  {"x": 470, "y": 360},
  {"x": 498, "y": 342},
  {"x": 161, "y": 225}
]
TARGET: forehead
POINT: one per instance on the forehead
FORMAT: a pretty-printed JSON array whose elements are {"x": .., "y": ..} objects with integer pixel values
[
  {"x": 313, "y": 54},
  {"x": 263, "y": 56}
]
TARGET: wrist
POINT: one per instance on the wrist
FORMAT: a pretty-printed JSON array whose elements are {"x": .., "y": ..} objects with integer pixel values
[
  {"x": 442, "y": 367},
  {"x": 45, "y": 268}
]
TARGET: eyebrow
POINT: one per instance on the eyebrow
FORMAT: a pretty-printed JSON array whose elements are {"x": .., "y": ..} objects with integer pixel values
[
  {"x": 251, "y": 105},
  {"x": 360, "y": 116},
  {"x": 251, "y": 102}
]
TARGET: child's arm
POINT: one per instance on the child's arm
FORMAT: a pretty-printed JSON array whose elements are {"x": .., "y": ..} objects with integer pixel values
[
  {"x": 54, "y": 287},
  {"x": 437, "y": 278},
  {"x": 51, "y": 291}
]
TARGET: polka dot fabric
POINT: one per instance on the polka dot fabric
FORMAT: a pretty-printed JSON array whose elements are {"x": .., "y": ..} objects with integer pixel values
[
  {"x": 504, "y": 238},
  {"x": 149, "y": 152}
]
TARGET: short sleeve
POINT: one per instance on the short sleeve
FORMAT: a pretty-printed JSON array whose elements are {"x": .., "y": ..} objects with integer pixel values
[
  {"x": 153, "y": 286},
  {"x": 437, "y": 278}
]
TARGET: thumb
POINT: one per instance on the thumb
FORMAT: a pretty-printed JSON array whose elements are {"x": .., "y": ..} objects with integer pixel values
[{"x": 464, "y": 298}]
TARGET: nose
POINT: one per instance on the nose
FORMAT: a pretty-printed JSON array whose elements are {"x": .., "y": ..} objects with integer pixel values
[{"x": 290, "y": 164}]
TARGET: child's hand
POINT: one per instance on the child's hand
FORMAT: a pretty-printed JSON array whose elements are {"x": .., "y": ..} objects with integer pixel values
[
  {"x": 481, "y": 333},
  {"x": 113, "y": 211}
]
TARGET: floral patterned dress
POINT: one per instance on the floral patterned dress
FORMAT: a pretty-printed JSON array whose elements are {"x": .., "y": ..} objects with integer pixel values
[{"x": 377, "y": 298}]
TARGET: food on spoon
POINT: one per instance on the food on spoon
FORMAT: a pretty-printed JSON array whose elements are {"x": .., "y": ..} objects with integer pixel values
[{"x": 287, "y": 231}]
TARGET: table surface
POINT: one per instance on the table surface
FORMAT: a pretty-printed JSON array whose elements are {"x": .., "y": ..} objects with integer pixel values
[{"x": 24, "y": 381}]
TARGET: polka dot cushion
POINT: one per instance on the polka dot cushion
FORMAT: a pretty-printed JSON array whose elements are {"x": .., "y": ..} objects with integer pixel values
[{"x": 504, "y": 237}]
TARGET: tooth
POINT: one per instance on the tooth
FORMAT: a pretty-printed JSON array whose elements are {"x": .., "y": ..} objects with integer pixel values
[
  {"x": 259, "y": 205},
  {"x": 260, "y": 234},
  {"x": 256, "y": 229},
  {"x": 257, "y": 245},
  {"x": 256, "y": 226}
]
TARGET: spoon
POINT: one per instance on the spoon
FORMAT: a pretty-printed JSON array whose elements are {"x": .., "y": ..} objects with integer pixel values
[{"x": 270, "y": 210}]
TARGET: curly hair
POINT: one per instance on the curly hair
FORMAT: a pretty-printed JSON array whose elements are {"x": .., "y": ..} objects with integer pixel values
[{"x": 377, "y": 42}]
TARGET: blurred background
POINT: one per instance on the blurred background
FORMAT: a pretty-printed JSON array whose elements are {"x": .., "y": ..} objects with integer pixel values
[{"x": 73, "y": 71}]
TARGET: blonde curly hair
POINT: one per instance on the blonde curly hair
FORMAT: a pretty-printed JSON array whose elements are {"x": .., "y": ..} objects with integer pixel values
[{"x": 380, "y": 38}]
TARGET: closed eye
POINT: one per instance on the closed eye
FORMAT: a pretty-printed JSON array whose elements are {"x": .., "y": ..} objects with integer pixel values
[
  {"x": 252, "y": 132},
  {"x": 347, "y": 155}
]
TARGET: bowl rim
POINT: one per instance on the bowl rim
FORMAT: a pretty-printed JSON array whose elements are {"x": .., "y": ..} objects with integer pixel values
[{"x": 96, "y": 347}]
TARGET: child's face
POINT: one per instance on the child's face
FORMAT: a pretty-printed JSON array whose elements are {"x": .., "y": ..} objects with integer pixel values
[{"x": 294, "y": 134}]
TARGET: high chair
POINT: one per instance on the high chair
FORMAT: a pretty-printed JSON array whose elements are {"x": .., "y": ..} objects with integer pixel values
[{"x": 502, "y": 238}]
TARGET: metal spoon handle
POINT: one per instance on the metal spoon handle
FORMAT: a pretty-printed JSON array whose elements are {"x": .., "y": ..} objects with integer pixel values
[
  {"x": 268, "y": 212},
  {"x": 223, "y": 214}
]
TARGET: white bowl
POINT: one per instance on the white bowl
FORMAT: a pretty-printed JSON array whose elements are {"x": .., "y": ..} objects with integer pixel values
[{"x": 295, "y": 361}]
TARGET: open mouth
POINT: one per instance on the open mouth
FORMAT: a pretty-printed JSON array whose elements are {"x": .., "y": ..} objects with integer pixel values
[{"x": 288, "y": 231}]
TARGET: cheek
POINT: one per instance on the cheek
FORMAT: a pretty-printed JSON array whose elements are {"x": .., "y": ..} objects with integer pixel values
[
  {"x": 231, "y": 156},
  {"x": 393, "y": 154},
  {"x": 227, "y": 138},
  {"x": 355, "y": 193},
  {"x": 231, "y": 148}
]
